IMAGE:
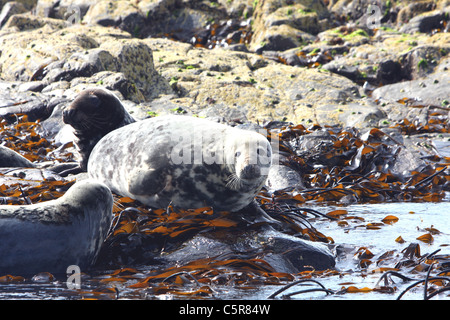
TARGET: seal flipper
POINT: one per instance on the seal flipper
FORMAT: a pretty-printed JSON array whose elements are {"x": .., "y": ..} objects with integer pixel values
[{"x": 147, "y": 182}]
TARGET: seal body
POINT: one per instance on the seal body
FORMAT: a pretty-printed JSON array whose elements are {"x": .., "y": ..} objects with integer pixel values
[
  {"x": 184, "y": 161},
  {"x": 94, "y": 113},
  {"x": 10, "y": 158},
  {"x": 52, "y": 235}
]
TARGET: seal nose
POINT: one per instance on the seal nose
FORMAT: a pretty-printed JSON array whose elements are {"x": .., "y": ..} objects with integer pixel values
[
  {"x": 68, "y": 115},
  {"x": 251, "y": 171}
]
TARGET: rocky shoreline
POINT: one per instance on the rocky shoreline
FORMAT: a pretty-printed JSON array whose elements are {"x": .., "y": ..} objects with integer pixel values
[
  {"x": 339, "y": 72},
  {"x": 274, "y": 63},
  {"x": 301, "y": 62}
]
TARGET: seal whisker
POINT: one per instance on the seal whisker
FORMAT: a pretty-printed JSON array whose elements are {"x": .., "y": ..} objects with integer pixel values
[{"x": 233, "y": 182}]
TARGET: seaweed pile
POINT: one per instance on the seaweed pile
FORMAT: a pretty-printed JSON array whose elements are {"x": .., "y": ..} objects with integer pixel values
[
  {"x": 348, "y": 167},
  {"x": 345, "y": 168}
]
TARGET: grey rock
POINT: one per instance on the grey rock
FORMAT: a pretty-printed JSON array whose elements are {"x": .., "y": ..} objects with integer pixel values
[
  {"x": 442, "y": 147},
  {"x": 80, "y": 64},
  {"x": 425, "y": 22},
  {"x": 432, "y": 90},
  {"x": 420, "y": 61},
  {"x": 9, "y": 9},
  {"x": 283, "y": 252},
  {"x": 33, "y": 105},
  {"x": 389, "y": 71}
]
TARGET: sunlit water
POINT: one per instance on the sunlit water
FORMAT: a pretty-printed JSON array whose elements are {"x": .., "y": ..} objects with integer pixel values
[{"x": 413, "y": 218}]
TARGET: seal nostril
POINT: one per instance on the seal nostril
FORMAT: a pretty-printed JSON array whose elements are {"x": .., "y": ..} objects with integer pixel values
[
  {"x": 251, "y": 171},
  {"x": 68, "y": 115}
]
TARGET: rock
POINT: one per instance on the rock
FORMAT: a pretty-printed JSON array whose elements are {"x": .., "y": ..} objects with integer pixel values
[
  {"x": 442, "y": 147},
  {"x": 283, "y": 252},
  {"x": 389, "y": 71},
  {"x": 306, "y": 16},
  {"x": 35, "y": 106},
  {"x": 79, "y": 64},
  {"x": 425, "y": 22},
  {"x": 345, "y": 70},
  {"x": 9, "y": 9},
  {"x": 70, "y": 10},
  {"x": 432, "y": 90},
  {"x": 421, "y": 60},
  {"x": 135, "y": 60},
  {"x": 260, "y": 89},
  {"x": 27, "y": 176},
  {"x": 24, "y": 22},
  {"x": 121, "y": 14},
  {"x": 411, "y": 10},
  {"x": 358, "y": 116},
  {"x": 53, "y": 55},
  {"x": 280, "y": 38},
  {"x": 51, "y": 126},
  {"x": 28, "y": 4},
  {"x": 297, "y": 253}
]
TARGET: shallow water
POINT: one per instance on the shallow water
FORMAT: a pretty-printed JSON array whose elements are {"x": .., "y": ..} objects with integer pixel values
[{"x": 413, "y": 218}]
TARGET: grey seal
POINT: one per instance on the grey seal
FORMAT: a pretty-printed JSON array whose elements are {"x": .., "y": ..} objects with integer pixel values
[
  {"x": 52, "y": 235},
  {"x": 10, "y": 158},
  {"x": 94, "y": 113},
  {"x": 185, "y": 161}
]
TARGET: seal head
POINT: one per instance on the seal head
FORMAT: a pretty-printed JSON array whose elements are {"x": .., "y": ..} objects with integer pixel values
[{"x": 94, "y": 113}]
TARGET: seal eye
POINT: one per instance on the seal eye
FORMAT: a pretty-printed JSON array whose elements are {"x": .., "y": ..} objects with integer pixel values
[
  {"x": 93, "y": 101},
  {"x": 237, "y": 154}
]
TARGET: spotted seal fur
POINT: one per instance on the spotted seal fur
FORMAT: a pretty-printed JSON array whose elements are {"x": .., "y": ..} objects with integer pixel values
[
  {"x": 187, "y": 161},
  {"x": 52, "y": 235},
  {"x": 94, "y": 113}
]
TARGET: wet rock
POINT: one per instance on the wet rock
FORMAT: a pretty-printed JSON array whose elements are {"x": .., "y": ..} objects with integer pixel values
[
  {"x": 283, "y": 252},
  {"x": 442, "y": 147},
  {"x": 297, "y": 253},
  {"x": 50, "y": 127},
  {"x": 27, "y": 176}
]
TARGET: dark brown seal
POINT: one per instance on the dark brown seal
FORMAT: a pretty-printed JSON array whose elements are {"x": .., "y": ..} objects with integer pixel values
[{"x": 93, "y": 114}]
